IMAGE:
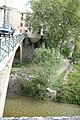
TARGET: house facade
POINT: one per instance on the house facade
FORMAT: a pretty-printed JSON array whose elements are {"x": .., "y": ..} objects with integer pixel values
[
  {"x": 14, "y": 18},
  {"x": 23, "y": 24},
  {"x": 10, "y": 16}
]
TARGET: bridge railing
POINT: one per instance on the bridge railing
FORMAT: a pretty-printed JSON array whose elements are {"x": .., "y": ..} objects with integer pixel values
[{"x": 7, "y": 44}]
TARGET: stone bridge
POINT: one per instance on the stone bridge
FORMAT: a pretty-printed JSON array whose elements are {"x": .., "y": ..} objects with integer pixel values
[{"x": 10, "y": 48}]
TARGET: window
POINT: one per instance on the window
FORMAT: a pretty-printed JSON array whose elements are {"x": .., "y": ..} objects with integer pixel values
[
  {"x": 26, "y": 25},
  {"x": 21, "y": 24},
  {"x": 22, "y": 18},
  {"x": 20, "y": 30}
]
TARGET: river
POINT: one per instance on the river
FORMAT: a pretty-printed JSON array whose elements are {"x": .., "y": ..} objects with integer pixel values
[{"x": 25, "y": 106}]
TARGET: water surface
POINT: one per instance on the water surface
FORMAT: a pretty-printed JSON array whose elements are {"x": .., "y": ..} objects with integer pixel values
[{"x": 25, "y": 106}]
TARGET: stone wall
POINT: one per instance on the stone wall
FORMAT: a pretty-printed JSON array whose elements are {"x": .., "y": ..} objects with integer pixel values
[
  {"x": 41, "y": 118},
  {"x": 28, "y": 49}
]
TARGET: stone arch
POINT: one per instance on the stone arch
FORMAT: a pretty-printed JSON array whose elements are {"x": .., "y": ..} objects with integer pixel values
[{"x": 17, "y": 56}]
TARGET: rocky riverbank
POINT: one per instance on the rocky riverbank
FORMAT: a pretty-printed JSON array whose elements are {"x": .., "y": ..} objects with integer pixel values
[
  {"x": 19, "y": 73},
  {"x": 14, "y": 89},
  {"x": 14, "y": 86}
]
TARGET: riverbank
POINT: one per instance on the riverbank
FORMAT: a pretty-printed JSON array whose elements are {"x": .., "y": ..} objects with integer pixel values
[{"x": 18, "y": 106}]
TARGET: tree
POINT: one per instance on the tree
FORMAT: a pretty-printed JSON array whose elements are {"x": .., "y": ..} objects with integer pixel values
[
  {"x": 60, "y": 20},
  {"x": 44, "y": 12},
  {"x": 71, "y": 22}
]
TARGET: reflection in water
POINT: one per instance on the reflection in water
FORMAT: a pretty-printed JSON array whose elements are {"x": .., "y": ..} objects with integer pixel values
[{"x": 25, "y": 106}]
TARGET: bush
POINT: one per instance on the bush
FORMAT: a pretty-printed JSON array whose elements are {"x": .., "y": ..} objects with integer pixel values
[
  {"x": 46, "y": 64},
  {"x": 34, "y": 88},
  {"x": 76, "y": 57},
  {"x": 66, "y": 51},
  {"x": 70, "y": 92}
]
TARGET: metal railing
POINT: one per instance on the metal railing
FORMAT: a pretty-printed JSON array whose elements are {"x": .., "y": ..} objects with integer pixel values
[{"x": 7, "y": 44}]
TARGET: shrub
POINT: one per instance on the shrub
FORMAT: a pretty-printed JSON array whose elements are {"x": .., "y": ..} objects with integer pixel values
[
  {"x": 34, "y": 88},
  {"x": 46, "y": 64},
  {"x": 70, "y": 92},
  {"x": 76, "y": 56}
]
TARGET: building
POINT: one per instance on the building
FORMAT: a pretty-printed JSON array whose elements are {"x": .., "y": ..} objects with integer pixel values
[
  {"x": 23, "y": 24},
  {"x": 1, "y": 15},
  {"x": 9, "y": 15},
  {"x": 14, "y": 18}
]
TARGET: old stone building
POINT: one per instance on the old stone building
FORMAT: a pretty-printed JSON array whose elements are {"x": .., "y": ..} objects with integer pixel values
[
  {"x": 23, "y": 24},
  {"x": 11, "y": 16}
]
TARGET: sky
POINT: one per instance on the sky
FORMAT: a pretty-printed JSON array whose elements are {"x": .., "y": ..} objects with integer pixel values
[{"x": 19, "y": 4}]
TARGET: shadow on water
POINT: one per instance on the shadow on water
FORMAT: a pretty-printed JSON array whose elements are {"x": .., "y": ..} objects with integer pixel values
[{"x": 25, "y": 106}]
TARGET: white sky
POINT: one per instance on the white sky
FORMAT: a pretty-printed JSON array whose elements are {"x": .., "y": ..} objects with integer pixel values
[{"x": 19, "y": 4}]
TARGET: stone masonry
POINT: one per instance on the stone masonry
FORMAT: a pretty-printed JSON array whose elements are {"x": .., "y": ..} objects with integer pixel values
[{"x": 41, "y": 118}]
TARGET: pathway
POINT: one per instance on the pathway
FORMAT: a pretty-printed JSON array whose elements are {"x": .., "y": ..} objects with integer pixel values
[{"x": 65, "y": 65}]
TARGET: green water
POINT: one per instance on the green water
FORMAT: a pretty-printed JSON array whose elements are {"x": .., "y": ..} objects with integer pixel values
[{"x": 25, "y": 106}]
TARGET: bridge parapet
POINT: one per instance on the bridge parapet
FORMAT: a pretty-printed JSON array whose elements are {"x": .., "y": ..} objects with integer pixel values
[{"x": 7, "y": 44}]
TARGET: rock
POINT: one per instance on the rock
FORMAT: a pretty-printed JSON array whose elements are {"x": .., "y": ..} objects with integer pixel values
[
  {"x": 14, "y": 86},
  {"x": 53, "y": 92}
]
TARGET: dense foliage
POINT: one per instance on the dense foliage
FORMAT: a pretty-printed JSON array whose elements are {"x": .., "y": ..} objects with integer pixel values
[
  {"x": 60, "y": 20},
  {"x": 46, "y": 64},
  {"x": 44, "y": 75},
  {"x": 70, "y": 92}
]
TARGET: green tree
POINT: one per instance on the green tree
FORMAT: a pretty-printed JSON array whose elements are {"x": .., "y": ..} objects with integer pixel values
[{"x": 60, "y": 20}]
